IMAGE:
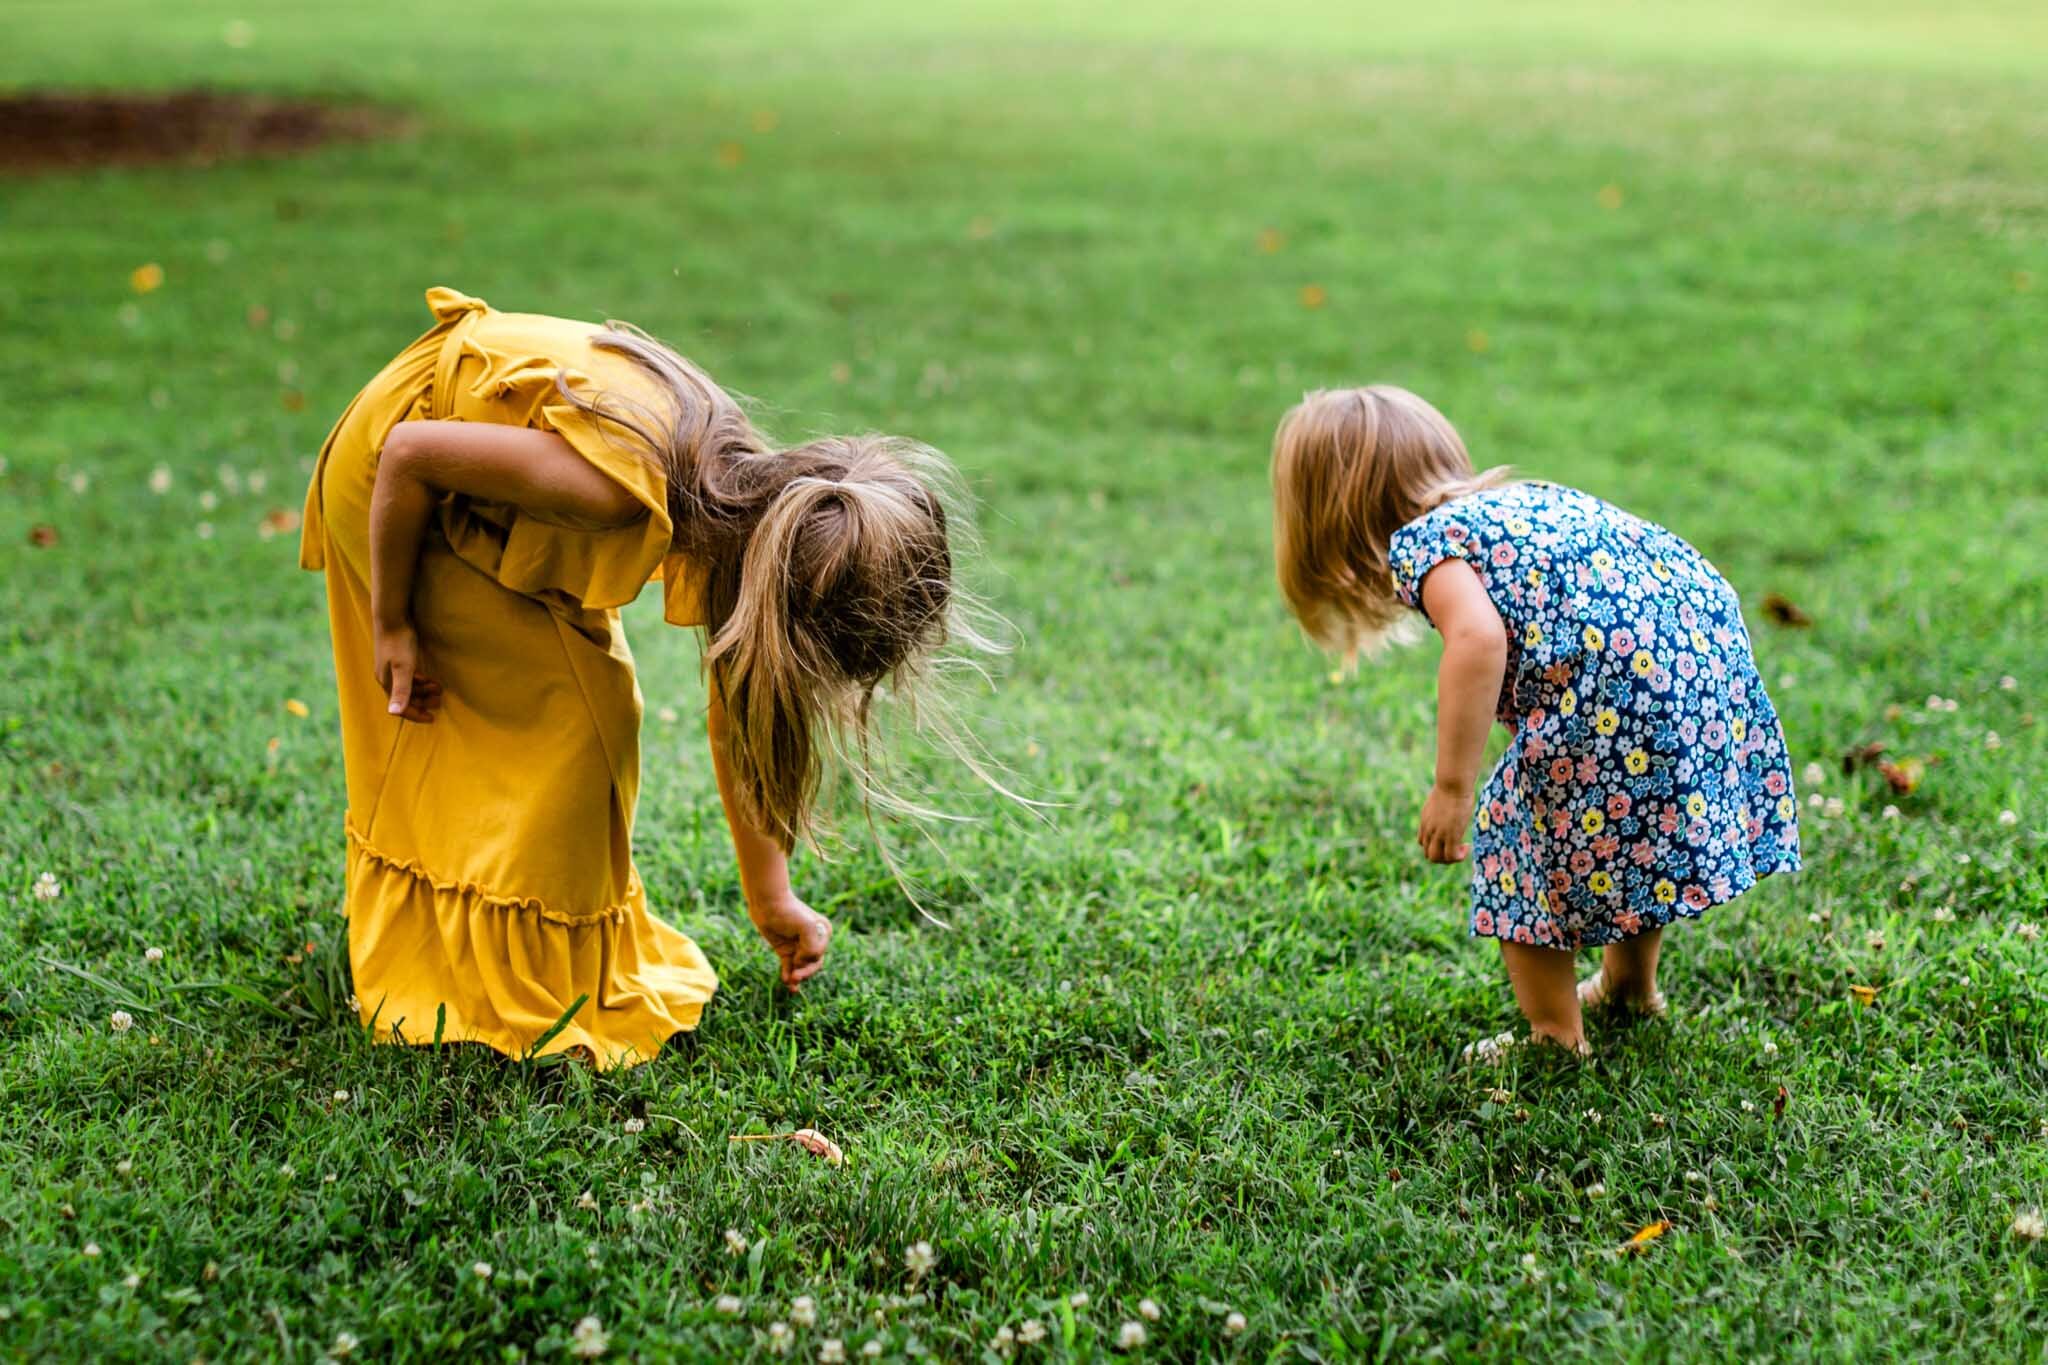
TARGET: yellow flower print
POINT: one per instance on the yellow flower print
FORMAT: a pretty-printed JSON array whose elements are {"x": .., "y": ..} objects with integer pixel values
[
  {"x": 1608, "y": 721},
  {"x": 1600, "y": 883},
  {"x": 1637, "y": 762},
  {"x": 1657, "y": 568},
  {"x": 1738, "y": 728},
  {"x": 1644, "y": 663},
  {"x": 1667, "y": 892},
  {"x": 1485, "y": 819},
  {"x": 1535, "y": 577},
  {"x": 1593, "y": 822},
  {"x": 1699, "y": 642},
  {"x": 1518, "y": 526},
  {"x": 1593, "y": 638},
  {"x": 1568, "y": 704},
  {"x": 1787, "y": 807},
  {"x": 1602, "y": 560},
  {"x": 1507, "y": 882},
  {"x": 1696, "y": 805},
  {"x": 1533, "y": 636}
]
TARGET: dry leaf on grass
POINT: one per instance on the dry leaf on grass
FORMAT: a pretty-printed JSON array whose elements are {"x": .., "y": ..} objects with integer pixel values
[
  {"x": 1646, "y": 1235},
  {"x": 1903, "y": 776},
  {"x": 1783, "y": 611},
  {"x": 42, "y": 535},
  {"x": 810, "y": 1139},
  {"x": 1866, "y": 996},
  {"x": 1862, "y": 756}
]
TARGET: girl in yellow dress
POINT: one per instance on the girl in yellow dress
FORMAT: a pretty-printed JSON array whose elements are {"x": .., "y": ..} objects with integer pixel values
[{"x": 482, "y": 510}]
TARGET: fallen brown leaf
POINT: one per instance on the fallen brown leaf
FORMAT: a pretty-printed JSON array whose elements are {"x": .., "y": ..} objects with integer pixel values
[
  {"x": 1783, "y": 611},
  {"x": 1645, "y": 1235},
  {"x": 1778, "y": 1104},
  {"x": 810, "y": 1139},
  {"x": 42, "y": 535},
  {"x": 281, "y": 519},
  {"x": 1904, "y": 776},
  {"x": 1861, "y": 756}
]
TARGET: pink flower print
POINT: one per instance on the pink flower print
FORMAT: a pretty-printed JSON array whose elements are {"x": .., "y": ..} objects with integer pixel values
[
  {"x": 1605, "y": 847},
  {"x": 1696, "y": 832},
  {"x": 1491, "y": 866},
  {"x": 1667, "y": 820},
  {"x": 1557, "y": 675},
  {"x": 1544, "y": 931},
  {"x": 1528, "y": 887},
  {"x": 1589, "y": 768},
  {"x": 1717, "y": 667},
  {"x": 1582, "y": 862},
  {"x": 1455, "y": 532},
  {"x": 1560, "y": 823},
  {"x": 1716, "y": 734},
  {"x": 1622, "y": 642},
  {"x": 1503, "y": 555},
  {"x": 1642, "y": 853},
  {"x": 1687, "y": 617},
  {"x": 1696, "y": 897},
  {"x": 1560, "y": 882},
  {"x": 1754, "y": 828},
  {"x": 1522, "y": 934},
  {"x": 1628, "y": 921},
  {"x": 1774, "y": 782},
  {"x": 1723, "y": 888},
  {"x": 1561, "y": 770},
  {"x": 1738, "y": 691},
  {"x": 1689, "y": 731},
  {"x": 1618, "y": 805},
  {"x": 1688, "y": 666},
  {"x": 1660, "y": 679},
  {"x": 1482, "y": 920}
]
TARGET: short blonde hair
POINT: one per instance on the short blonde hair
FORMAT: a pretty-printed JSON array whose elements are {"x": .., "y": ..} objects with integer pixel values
[{"x": 1351, "y": 467}]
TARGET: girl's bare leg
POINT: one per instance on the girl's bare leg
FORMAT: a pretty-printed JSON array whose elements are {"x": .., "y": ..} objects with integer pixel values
[
  {"x": 1545, "y": 982},
  {"x": 1627, "y": 975}
]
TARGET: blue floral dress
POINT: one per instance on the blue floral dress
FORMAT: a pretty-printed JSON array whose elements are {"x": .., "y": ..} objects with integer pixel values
[{"x": 1647, "y": 776}]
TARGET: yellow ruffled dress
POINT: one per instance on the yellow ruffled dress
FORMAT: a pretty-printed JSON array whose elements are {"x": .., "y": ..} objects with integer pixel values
[{"x": 490, "y": 865}]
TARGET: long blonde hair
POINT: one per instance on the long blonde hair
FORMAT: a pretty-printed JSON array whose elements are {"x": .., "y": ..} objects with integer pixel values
[
  {"x": 1351, "y": 467},
  {"x": 829, "y": 576}
]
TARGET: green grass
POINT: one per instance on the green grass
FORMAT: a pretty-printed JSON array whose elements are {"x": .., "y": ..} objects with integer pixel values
[{"x": 1194, "y": 1039}]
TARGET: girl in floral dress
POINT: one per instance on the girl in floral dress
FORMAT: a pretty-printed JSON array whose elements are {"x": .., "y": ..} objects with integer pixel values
[{"x": 1646, "y": 776}]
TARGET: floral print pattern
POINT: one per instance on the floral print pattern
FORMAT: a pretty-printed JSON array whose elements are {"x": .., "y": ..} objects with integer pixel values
[{"x": 1647, "y": 776}]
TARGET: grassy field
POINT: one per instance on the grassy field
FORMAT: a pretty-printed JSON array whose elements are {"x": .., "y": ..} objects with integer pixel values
[{"x": 1773, "y": 275}]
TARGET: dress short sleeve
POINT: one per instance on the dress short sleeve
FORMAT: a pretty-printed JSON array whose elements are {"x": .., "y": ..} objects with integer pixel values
[
  {"x": 1428, "y": 541},
  {"x": 592, "y": 567}
]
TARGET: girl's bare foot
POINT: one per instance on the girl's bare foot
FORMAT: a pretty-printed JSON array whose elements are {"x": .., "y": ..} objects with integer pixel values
[
  {"x": 1596, "y": 994},
  {"x": 798, "y": 935}
]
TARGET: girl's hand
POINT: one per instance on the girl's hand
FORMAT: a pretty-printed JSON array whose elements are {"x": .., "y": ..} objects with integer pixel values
[
  {"x": 1446, "y": 817},
  {"x": 798, "y": 934},
  {"x": 413, "y": 696}
]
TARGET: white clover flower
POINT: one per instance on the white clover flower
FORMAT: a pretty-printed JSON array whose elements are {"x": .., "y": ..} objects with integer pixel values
[
  {"x": 329, "y": 1178},
  {"x": 2029, "y": 1226},
  {"x": 919, "y": 1258},
  {"x": 831, "y": 1351},
  {"x": 341, "y": 1097},
  {"x": 80, "y": 482},
  {"x": 204, "y": 530},
  {"x": 2008, "y": 817},
  {"x": 729, "y": 1304},
  {"x": 1814, "y": 776},
  {"x": 1770, "y": 1048},
  {"x": 355, "y": 1005},
  {"x": 160, "y": 479},
  {"x": 482, "y": 1270},
  {"x": 1130, "y": 1336},
  {"x": 588, "y": 1338},
  {"x": 258, "y": 481},
  {"x": 1499, "y": 1096},
  {"x": 634, "y": 1125},
  {"x": 2026, "y": 932},
  {"x": 123, "y": 1166},
  {"x": 1031, "y": 1331},
  {"x": 1874, "y": 940},
  {"x": 1233, "y": 1324},
  {"x": 1944, "y": 914},
  {"x": 778, "y": 1337},
  {"x": 152, "y": 955},
  {"x": 208, "y": 500},
  {"x": 1078, "y": 1299},
  {"x": 1834, "y": 808},
  {"x": 91, "y": 1250},
  {"x": 131, "y": 1280},
  {"x": 735, "y": 1244},
  {"x": 122, "y": 1021},
  {"x": 1592, "y": 1116},
  {"x": 344, "y": 1345},
  {"x": 1596, "y": 1190},
  {"x": 48, "y": 888},
  {"x": 1889, "y": 813},
  {"x": 666, "y": 715},
  {"x": 2009, "y": 683},
  {"x": 1992, "y": 741},
  {"x": 873, "y": 1349},
  {"x": 1003, "y": 1342},
  {"x": 803, "y": 1311},
  {"x": 1695, "y": 1177},
  {"x": 286, "y": 1170},
  {"x": 1148, "y": 1310},
  {"x": 1749, "y": 1106},
  {"x": 1530, "y": 1269},
  {"x": 586, "y": 1200}
]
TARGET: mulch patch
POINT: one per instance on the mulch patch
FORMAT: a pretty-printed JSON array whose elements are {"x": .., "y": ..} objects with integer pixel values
[{"x": 71, "y": 130}]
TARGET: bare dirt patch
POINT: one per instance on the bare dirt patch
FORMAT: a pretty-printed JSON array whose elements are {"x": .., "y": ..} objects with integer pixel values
[{"x": 70, "y": 130}]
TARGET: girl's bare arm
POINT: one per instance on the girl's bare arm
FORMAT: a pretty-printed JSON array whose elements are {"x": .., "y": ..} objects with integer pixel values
[
  {"x": 798, "y": 934},
  {"x": 1467, "y": 688}
]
